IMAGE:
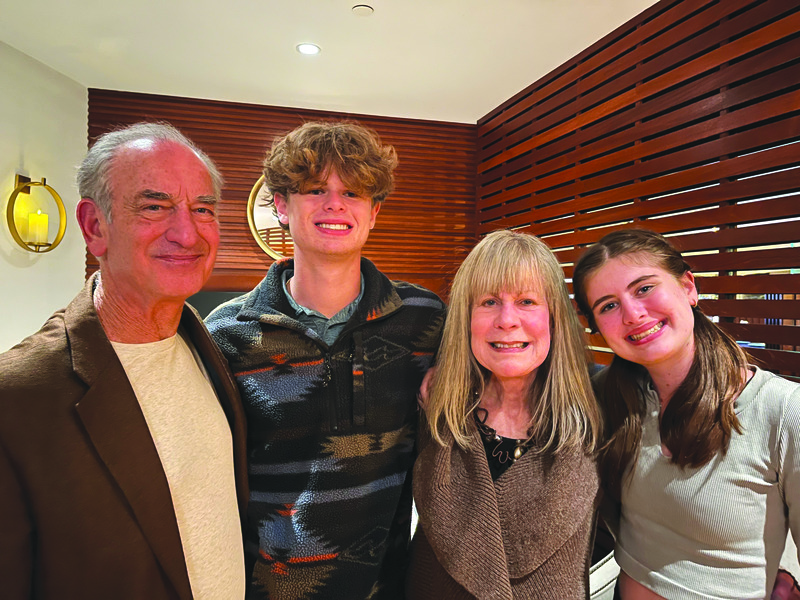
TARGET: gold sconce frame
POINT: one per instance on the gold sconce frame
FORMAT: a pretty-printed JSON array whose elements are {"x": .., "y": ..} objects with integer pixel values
[
  {"x": 22, "y": 186},
  {"x": 274, "y": 240}
]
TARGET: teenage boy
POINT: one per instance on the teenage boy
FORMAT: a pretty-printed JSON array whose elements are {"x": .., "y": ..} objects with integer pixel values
[{"x": 329, "y": 354}]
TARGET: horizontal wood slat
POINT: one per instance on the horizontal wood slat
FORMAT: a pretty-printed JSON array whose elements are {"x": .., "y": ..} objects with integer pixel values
[
  {"x": 769, "y": 334},
  {"x": 753, "y": 309},
  {"x": 751, "y": 284},
  {"x": 685, "y": 120},
  {"x": 787, "y": 363}
]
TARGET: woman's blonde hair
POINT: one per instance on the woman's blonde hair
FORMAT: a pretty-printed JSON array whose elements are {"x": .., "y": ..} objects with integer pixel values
[{"x": 564, "y": 413}]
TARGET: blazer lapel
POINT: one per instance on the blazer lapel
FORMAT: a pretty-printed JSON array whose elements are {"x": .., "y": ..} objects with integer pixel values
[{"x": 118, "y": 431}]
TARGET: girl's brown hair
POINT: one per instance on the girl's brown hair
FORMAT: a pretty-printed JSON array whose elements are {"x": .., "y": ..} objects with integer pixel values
[{"x": 699, "y": 419}]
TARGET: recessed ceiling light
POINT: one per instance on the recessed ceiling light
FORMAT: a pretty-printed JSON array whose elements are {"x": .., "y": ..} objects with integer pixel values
[
  {"x": 363, "y": 10},
  {"x": 308, "y": 49}
]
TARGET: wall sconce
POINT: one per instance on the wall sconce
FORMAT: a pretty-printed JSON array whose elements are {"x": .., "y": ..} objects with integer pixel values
[{"x": 38, "y": 222}]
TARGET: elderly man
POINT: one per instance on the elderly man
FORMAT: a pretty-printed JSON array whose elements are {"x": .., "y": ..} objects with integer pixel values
[
  {"x": 122, "y": 459},
  {"x": 329, "y": 354}
]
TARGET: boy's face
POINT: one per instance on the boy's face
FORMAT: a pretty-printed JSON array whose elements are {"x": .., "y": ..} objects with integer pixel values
[{"x": 328, "y": 220}]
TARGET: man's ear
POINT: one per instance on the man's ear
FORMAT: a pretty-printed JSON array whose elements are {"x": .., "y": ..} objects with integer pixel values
[
  {"x": 94, "y": 226},
  {"x": 280, "y": 207}
]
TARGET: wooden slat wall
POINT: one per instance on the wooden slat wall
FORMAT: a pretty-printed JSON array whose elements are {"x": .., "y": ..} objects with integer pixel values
[
  {"x": 424, "y": 229},
  {"x": 685, "y": 120}
]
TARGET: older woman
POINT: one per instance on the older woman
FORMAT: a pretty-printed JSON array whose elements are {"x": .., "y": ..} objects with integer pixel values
[
  {"x": 505, "y": 483},
  {"x": 704, "y": 450}
]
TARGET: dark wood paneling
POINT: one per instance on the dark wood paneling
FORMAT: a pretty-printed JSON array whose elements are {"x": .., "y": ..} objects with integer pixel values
[
  {"x": 685, "y": 120},
  {"x": 424, "y": 229}
]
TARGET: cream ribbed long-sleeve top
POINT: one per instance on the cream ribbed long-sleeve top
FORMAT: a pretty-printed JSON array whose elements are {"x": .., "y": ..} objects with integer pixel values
[{"x": 717, "y": 532}]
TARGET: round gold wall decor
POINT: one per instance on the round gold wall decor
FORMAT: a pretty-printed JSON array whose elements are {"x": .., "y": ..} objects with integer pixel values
[
  {"x": 267, "y": 231},
  {"x": 12, "y": 225}
]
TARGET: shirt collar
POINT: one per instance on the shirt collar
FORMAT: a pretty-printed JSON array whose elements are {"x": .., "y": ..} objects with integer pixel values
[{"x": 343, "y": 314}]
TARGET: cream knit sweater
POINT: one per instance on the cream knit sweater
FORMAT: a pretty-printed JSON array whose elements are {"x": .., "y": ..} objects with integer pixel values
[{"x": 717, "y": 532}]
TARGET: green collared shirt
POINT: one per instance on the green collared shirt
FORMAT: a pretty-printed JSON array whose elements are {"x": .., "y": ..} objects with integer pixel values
[{"x": 327, "y": 329}]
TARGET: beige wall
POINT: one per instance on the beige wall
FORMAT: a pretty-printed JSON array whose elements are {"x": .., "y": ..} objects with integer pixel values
[{"x": 43, "y": 122}]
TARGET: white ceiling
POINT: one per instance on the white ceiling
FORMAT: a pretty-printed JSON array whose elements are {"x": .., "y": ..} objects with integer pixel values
[{"x": 448, "y": 60}]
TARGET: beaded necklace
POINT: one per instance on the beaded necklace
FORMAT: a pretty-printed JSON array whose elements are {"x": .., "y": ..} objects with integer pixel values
[{"x": 501, "y": 450}]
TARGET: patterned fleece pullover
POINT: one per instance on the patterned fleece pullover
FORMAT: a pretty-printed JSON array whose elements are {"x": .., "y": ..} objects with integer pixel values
[{"x": 331, "y": 433}]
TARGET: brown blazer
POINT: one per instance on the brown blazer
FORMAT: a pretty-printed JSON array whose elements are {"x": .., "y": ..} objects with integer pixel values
[
  {"x": 527, "y": 535},
  {"x": 85, "y": 508}
]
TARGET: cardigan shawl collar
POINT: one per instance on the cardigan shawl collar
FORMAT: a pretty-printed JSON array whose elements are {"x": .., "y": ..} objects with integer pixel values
[{"x": 514, "y": 524}]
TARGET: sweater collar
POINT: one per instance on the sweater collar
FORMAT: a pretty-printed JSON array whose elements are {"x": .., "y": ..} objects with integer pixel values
[{"x": 379, "y": 296}]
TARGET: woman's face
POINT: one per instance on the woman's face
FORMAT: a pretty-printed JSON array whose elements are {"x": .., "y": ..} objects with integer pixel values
[
  {"x": 644, "y": 312},
  {"x": 510, "y": 334}
]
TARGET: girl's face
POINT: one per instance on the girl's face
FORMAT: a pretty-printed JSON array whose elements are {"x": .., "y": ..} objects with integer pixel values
[{"x": 644, "y": 312}]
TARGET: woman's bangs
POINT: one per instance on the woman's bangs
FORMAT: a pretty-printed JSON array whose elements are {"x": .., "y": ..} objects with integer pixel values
[{"x": 506, "y": 273}]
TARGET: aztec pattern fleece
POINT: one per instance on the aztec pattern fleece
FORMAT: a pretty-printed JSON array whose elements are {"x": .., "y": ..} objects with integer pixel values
[{"x": 331, "y": 433}]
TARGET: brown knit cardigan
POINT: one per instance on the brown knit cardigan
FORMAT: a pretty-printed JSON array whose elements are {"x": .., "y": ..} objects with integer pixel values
[{"x": 527, "y": 535}]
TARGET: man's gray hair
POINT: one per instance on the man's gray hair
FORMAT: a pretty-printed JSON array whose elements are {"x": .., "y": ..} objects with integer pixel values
[{"x": 93, "y": 173}]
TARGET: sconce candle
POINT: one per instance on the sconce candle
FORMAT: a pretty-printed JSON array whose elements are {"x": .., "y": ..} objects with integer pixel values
[
  {"x": 37, "y": 227},
  {"x": 38, "y": 222}
]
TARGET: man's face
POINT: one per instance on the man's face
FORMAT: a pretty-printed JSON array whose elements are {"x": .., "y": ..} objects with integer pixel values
[
  {"x": 329, "y": 220},
  {"x": 162, "y": 240}
]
